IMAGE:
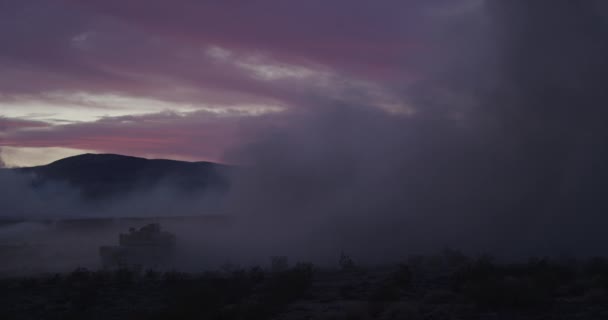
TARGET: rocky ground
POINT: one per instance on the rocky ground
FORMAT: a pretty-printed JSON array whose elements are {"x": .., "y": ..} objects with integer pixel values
[{"x": 450, "y": 286}]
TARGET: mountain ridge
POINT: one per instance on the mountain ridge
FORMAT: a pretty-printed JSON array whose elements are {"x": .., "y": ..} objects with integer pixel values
[{"x": 103, "y": 176}]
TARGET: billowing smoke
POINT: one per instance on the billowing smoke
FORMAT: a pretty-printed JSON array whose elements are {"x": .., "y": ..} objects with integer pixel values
[
  {"x": 20, "y": 199},
  {"x": 506, "y": 151},
  {"x": 51, "y": 226},
  {"x": 24, "y": 197}
]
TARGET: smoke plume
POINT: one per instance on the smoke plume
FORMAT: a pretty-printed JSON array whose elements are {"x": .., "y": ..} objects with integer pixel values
[{"x": 504, "y": 152}]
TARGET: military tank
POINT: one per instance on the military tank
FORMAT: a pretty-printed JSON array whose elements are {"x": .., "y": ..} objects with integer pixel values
[{"x": 147, "y": 246}]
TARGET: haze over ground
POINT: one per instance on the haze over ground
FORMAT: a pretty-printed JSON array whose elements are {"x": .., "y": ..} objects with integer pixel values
[{"x": 375, "y": 129}]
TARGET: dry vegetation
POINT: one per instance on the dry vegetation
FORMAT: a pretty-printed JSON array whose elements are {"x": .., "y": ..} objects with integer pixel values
[{"x": 448, "y": 286}]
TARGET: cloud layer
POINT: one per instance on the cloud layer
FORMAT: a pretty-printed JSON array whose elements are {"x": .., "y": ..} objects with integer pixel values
[{"x": 86, "y": 66}]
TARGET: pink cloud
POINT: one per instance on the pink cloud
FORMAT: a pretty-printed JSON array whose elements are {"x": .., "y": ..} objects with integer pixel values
[
  {"x": 158, "y": 49},
  {"x": 148, "y": 47},
  {"x": 10, "y": 124},
  {"x": 194, "y": 136}
]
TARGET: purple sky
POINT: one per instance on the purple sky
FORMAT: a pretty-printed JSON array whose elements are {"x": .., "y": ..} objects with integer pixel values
[{"x": 194, "y": 79}]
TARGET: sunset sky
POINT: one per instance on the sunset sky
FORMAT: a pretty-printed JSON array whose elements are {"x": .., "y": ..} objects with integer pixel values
[
  {"x": 192, "y": 79},
  {"x": 457, "y": 120}
]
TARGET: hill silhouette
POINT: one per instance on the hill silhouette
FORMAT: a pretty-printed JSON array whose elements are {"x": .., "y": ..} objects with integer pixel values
[{"x": 101, "y": 176}]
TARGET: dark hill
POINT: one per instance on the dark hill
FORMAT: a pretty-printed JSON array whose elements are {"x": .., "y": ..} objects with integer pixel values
[{"x": 99, "y": 176}]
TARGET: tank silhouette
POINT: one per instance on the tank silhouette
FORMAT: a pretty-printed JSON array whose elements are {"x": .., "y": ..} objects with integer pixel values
[{"x": 148, "y": 246}]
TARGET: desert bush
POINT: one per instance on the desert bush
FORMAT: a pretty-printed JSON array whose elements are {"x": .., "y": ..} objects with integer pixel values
[
  {"x": 257, "y": 274},
  {"x": 349, "y": 292},
  {"x": 152, "y": 275},
  {"x": 455, "y": 259},
  {"x": 385, "y": 291},
  {"x": 279, "y": 263},
  {"x": 528, "y": 285},
  {"x": 506, "y": 293},
  {"x": 173, "y": 277},
  {"x": 346, "y": 263},
  {"x": 124, "y": 277},
  {"x": 78, "y": 276},
  {"x": 289, "y": 285},
  {"x": 403, "y": 277},
  {"x": 549, "y": 275},
  {"x": 596, "y": 266}
]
